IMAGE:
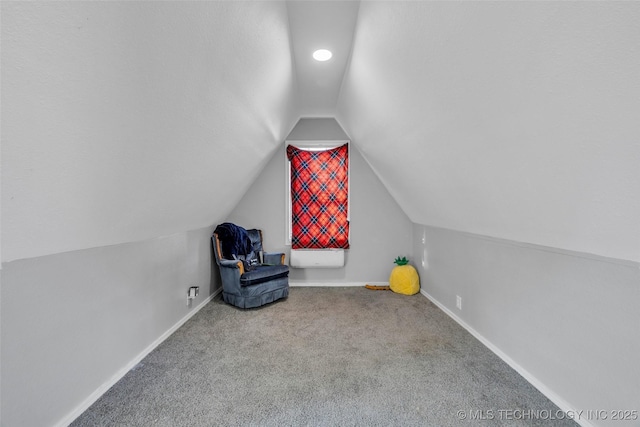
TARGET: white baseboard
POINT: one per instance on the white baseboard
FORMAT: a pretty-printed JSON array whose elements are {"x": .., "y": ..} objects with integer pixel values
[
  {"x": 93, "y": 397},
  {"x": 299, "y": 284},
  {"x": 542, "y": 388}
]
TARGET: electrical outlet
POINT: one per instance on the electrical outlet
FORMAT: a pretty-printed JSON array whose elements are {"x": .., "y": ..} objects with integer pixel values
[
  {"x": 459, "y": 302},
  {"x": 192, "y": 293}
]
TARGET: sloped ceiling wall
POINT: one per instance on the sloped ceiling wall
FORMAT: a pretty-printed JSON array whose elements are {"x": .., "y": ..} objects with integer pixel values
[
  {"x": 320, "y": 24},
  {"x": 516, "y": 120},
  {"x": 130, "y": 120}
]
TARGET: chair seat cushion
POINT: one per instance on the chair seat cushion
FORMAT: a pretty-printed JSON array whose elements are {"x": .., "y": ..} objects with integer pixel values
[{"x": 263, "y": 273}]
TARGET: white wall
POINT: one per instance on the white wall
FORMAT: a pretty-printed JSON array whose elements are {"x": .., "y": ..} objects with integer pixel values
[
  {"x": 568, "y": 321},
  {"x": 124, "y": 116},
  {"x": 380, "y": 231},
  {"x": 73, "y": 323},
  {"x": 517, "y": 120}
]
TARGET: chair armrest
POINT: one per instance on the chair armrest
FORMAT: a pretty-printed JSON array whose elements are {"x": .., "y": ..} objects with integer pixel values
[
  {"x": 230, "y": 272},
  {"x": 233, "y": 264},
  {"x": 273, "y": 258}
]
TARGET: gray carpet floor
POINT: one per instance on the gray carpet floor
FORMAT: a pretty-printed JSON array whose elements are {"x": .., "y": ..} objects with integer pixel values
[{"x": 323, "y": 357}]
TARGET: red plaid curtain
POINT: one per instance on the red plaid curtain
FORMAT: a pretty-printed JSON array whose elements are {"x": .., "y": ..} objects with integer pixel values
[{"x": 319, "y": 198}]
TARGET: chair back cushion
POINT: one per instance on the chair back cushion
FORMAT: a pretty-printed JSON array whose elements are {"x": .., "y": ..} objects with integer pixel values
[
  {"x": 253, "y": 258},
  {"x": 253, "y": 255},
  {"x": 256, "y": 242}
]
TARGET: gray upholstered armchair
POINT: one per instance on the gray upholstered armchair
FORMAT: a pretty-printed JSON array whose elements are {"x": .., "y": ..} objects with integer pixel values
[{"x": 254, "y": 278}]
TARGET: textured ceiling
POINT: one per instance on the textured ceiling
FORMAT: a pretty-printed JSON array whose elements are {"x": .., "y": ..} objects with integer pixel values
[
  {"x": 124, "y": 121},
  {"x": 320, "y": 25},
  {"x": 516, "y": 120}
]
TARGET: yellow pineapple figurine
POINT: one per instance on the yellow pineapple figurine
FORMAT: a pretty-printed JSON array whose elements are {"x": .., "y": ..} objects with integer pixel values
[{"x": 404, "y": 278}]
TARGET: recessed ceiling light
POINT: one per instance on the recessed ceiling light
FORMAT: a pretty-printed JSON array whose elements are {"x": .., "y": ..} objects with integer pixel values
[{"x": 322, "y": 55}]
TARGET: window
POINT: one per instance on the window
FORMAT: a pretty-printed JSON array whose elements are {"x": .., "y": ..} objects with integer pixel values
[{"x": 318, "y": 195}]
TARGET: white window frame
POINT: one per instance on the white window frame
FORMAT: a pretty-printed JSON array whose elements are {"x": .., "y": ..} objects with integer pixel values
[{"x": 312, "y": 146}]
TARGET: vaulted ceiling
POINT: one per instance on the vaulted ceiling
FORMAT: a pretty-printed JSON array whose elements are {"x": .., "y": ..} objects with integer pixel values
[
  {"x": 128, "y": 120},
  {"x": 320, "y": 25},
  {"x": 512, "y": 120}
]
